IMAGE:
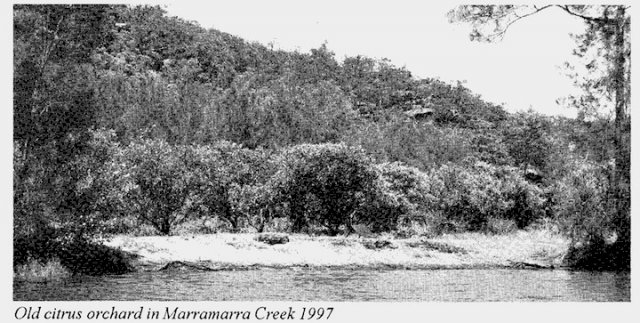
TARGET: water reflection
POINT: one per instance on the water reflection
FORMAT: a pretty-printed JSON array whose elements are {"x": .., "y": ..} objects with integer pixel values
[
  {"x": 600, "y": 286},
  {"x": 338, "y": 285}
]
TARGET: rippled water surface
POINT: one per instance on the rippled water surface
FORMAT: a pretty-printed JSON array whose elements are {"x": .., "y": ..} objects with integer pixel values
[{"x": 339, "y": 285}]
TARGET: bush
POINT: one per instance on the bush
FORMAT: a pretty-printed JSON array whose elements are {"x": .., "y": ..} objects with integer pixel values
[
  {"x": 473, "y": 194},
  {"x": 92, "y": 258},
  {"x": 39, "y": 244},
  {"x": 408, "y": 183},
  {"x": 38, "y": 271},
  {"x": 582, "y": 204},
  {"x": 585, "y": 210},
  {"x": 409, "y": 189},
  {"x": 323, "y": 185},
  {"x": 76, "y": 254}
]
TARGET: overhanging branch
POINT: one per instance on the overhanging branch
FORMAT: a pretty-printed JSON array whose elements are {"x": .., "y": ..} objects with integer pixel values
[
  {"x": 589, "y": 18},
  {"x": 518, "y": 17}
]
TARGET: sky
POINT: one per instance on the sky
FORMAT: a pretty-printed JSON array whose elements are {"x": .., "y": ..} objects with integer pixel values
[{"x": 522, "y": 71}]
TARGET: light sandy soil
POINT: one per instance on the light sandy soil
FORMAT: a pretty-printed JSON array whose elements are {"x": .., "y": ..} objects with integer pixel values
[{"x": 465, "y": 250}]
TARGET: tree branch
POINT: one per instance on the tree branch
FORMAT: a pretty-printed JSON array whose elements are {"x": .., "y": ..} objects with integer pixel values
[
  {"x": 49, "y": 49},
  {"x": 595, "y": 19},
  {"x": 504, "y": 31}
]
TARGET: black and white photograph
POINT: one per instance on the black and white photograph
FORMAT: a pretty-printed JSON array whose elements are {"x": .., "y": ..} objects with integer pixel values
[{"x": 320, "y": 151}]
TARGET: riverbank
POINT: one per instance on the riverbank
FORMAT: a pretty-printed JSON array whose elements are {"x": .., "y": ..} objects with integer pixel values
[{"x": 226, "y": 251}]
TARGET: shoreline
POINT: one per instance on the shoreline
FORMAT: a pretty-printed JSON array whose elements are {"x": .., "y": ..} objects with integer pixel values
[
  {"x": 211, "y": 266},
  {"x": 536, "y": 249}
]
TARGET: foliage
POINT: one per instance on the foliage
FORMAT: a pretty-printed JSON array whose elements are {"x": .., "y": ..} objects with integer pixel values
[
  {"x": 281, "y": 111},
  {"x": 37, "y": 271},
  {"x": 602, "y": 72},
  {"x": 394, "y": 138},
  {"x": 157, "y": 182},
  {"x": 94, "y": 198},
  {"x": 586, "y": 210},
  {"x": 228, "y": 176},
  {"x": 323, "y": 184},
  {"x": 408, "y": 184},
  {"x": 526, "y": 138},
  {"x": 475, "y": 193},
  {"x": 583, "y": 205},
  {"x": 255, "y": 203},
  {"x": 90, "y": 258},
  {"x": 188, "y": 118},
  {"x": 76, "y": 207}
]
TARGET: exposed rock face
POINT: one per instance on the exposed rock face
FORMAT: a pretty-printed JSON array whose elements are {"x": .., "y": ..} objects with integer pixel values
[{"x": 272, "y": 238}]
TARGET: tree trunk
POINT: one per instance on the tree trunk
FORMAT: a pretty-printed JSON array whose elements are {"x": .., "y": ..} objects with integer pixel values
[
  {"x": 164, "y": 226},
  {"x": 620, "y": 174}
]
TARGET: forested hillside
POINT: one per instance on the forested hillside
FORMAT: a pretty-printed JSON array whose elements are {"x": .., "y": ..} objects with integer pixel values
[{"x": 124, "y": 117}]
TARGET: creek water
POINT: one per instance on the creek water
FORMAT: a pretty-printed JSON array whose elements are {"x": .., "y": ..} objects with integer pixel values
[{"x": 330, "y": 284}]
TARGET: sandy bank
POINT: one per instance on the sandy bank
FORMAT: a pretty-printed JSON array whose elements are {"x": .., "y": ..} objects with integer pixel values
[{"x": 466, "y": 250}]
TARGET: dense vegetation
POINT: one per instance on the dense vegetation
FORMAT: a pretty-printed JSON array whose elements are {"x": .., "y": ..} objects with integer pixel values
[{"x": 126, "y": 119}]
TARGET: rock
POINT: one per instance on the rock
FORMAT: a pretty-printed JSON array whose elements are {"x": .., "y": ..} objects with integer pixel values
[
  {"x": 530, "y": 265},
  {"x": 179, "y": 265},
  {"x": 378, "y": 244},
  {"x": 272, "y": 238}
]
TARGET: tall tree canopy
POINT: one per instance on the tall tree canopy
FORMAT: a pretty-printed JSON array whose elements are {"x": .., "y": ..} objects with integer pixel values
[{"x": 605, "y": 48}]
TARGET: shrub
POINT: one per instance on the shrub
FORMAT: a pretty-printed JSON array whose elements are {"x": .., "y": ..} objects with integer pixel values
[
  {"x": 409, "y": 183},
  {"x": 323, "y": 185},
  {"x": 92, "y": 258},
  {"x": 582, "y": 202},
  {"x": 38, "y": 271},
  {"x": 472, "y": 194},
  {"x": 409, "y": 189},
  {"x": 40, "y": 243},
  {"x": 586, "y": 212}
]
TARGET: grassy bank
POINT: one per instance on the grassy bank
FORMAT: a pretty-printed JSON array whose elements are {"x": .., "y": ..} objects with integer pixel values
[{"x": 464, "y": 250}]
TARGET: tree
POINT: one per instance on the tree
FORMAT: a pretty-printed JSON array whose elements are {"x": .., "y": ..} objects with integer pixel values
[
  {"x": 325, "y": 185},
  {"x": 225, "y": 172},
  {"x": 54, "y": 104},
  {"x": 53, "y": 45},
  {"x": 158, "y": 182},
  {"x": 606, "y": 36}
]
